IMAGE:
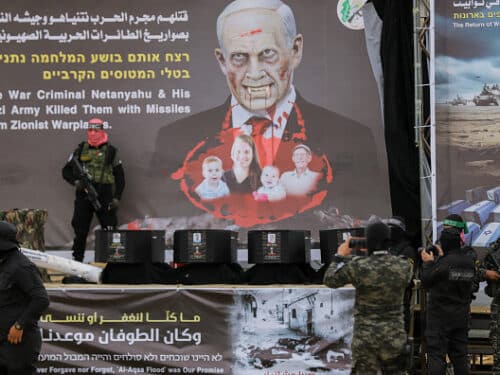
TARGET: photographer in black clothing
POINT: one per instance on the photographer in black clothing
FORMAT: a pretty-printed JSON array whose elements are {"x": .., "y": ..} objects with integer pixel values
[
  {"x": 449, "y": 280},
  {"x": 22, "y": 299}
]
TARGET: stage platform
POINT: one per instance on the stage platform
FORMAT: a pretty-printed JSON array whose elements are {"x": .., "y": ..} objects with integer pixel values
[{"x": 212, "y": 328}]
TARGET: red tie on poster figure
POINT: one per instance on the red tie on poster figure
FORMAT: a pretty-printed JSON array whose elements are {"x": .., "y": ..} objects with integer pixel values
[{"x": 266, "y": 148}]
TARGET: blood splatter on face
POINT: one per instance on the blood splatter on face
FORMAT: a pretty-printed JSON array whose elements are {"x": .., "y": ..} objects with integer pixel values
[{"x": 251, "y": 32}]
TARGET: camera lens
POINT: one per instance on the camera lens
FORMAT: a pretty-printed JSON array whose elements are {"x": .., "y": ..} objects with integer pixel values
[{"x": 357, "y": 243}]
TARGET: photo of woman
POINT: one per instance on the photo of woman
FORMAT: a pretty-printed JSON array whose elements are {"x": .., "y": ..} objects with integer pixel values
[{"x": 244, "y": 176}]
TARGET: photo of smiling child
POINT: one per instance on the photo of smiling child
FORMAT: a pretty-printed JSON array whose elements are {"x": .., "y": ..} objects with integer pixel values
[
  {"x": 212, "y": 186},
  {"x": 271, "y": 190}
]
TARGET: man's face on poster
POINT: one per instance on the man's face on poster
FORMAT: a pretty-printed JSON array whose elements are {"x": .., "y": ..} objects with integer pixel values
[
  {"x": 301, "y": 158},
  {"x": 256, "y": 58}
]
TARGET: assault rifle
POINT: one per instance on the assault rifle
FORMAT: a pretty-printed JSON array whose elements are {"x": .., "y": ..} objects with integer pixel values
[{"x": 86, "y": 179}]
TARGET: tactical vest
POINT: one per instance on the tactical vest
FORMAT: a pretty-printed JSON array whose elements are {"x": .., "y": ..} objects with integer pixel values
[{"x": 98, "y": 162}]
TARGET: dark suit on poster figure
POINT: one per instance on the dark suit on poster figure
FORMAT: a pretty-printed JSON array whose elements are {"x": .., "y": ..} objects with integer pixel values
[{"x": 258, "y": 58}]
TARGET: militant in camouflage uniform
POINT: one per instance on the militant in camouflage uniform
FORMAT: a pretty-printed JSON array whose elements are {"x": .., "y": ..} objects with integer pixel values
[
  {"x": 380, "y": 278},
  {"x": 489, "y": 271}
]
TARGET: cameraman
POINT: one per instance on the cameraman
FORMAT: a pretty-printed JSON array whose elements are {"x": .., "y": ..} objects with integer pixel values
[
  {"x": 448, "y": 274},
  {"x": 489, "y": 271},
  {"x": 401, "y": 246},
  {"x": 380, "y": 279}
]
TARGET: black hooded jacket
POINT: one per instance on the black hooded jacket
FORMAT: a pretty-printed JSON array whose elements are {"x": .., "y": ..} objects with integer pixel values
[
  {"x": 22, "y": 294},
  {"x": 450, "y": 282}
]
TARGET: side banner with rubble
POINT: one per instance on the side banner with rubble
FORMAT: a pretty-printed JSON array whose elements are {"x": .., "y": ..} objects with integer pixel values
[
  {"x": 215, "y": 331},
  {"x": 468, "y": 115}
]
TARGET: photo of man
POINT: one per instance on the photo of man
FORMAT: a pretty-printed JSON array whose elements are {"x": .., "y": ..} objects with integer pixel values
[
  {"x": 258, "y": 53},
  {"x": 301, "y": 180}
]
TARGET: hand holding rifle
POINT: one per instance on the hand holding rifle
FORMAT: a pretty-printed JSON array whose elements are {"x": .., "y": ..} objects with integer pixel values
[{"x": 84, "y": 182}]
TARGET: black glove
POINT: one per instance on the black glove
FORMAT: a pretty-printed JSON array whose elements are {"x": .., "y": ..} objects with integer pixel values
[
  {"x": 79, "y": 185},
  {"x": 113, "y": 205}
]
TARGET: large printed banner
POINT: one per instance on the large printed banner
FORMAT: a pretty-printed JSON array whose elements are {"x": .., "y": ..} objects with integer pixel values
[
  {"x": 262, "y": 331},
  {"x": 270, "y": 120},
  {"x": 468, "y": 115}
]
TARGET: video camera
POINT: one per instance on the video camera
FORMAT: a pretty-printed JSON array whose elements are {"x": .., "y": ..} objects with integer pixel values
[
  {"x": 358, "y": 243},
  {"x": 377, "y": 237},
  {"x": 430, "y": 250}
]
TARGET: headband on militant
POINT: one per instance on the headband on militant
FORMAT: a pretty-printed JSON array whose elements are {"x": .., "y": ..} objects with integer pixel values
[{"x": 457, "y": 224}]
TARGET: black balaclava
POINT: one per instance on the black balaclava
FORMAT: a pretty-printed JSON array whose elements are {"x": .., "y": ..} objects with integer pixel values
[
  {"x": 451, "y": 235},
  {"x": 450, "y": 239},
  {"x": 377, "y": 236},
  {"x": 8, "y": 239}
]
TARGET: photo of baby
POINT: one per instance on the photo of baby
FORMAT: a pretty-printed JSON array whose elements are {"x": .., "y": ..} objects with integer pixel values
[
  {"x": 212, "y": 186},
  {"x": 271, "y": 190}
]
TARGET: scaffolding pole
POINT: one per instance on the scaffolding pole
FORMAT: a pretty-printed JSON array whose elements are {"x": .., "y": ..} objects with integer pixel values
[{"x": 423, "y": 47}]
